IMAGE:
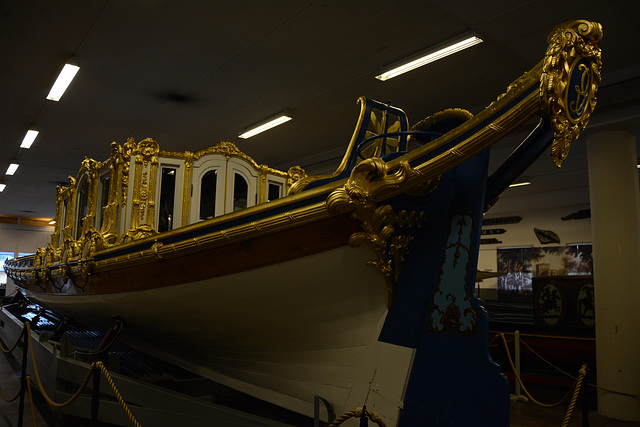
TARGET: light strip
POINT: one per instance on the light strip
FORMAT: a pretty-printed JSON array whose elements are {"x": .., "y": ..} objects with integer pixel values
[
  {"x": 265, "y": 126},
  {"x": 62, "y": 82},
  {"x": 13, "y": 167},
  {"x": 2, "y": 187},
  {"x": 430, "y": 57},
  {"x": 29, "y": 138},
  {"x": 520, "y": 184}
]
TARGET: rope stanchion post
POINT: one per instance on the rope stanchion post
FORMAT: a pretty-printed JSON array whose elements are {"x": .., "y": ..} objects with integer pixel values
[
  {"x": 33, "y": 406},
  {"x": 576, "y": 389},
  {"x": 576, "y": 392},
  {"x": 519, "y": 380},
  {"x": 95, "y": 365},
  {"x": 23, "y": 378},
  {"x": 359, "y": 413},
  {"x": 100, "y": 355},
  {"x": 364, "y": 421},
  {"x": 95, "y": 400},
  {"x": 585, "y": 401},
  {"x": 518, "y": 397}
]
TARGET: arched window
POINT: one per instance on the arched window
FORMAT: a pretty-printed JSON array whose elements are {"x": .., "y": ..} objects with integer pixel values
[
  {"x": 167, "y": 198},
  {"x": 63, "y": 220},
  {"x": 103, "y": 198},
  {"x": 240, "y": 192},
  {"x": 208, "y": 194},
  {"x": 83, "y": 204}
]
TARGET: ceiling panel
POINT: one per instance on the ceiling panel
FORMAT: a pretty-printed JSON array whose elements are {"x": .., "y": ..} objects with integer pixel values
[{"x": 190, "y": 74}]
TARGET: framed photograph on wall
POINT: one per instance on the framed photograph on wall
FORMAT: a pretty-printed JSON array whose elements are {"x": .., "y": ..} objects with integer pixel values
[
  {"x": 3, "y": 257},
  {"x": 522, "y": 264}
]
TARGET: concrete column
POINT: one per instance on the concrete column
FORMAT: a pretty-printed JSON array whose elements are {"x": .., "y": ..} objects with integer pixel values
[{"x": 615, "y": 227}]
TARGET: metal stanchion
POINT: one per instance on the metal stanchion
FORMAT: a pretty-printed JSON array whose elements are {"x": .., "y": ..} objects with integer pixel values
[
  {"x": 518, "y": 396},
  {"x": 23, "y": 379}
]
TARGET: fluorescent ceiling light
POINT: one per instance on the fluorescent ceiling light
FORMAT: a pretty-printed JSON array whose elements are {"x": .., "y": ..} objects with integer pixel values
[
  {"x": 62, "y": 82},
  {"x": 520, "y": 184},
  {"x": 12, "y": 168},
  {"x": 430, "y": 56},
  {"x": 265, "y": 126},
  {"x": 29, "y": 138},
  {"x": 2, "y": 186}
]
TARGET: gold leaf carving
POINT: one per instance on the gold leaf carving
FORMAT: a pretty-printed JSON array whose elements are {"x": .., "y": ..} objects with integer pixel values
[
  {"x": 137, "y": 233},
  {"x": 368, "y": 180},
  {"x": 155, "y": 247},
  {"x": 569, "y": 81},
  {"x": 295, "y": 174}
]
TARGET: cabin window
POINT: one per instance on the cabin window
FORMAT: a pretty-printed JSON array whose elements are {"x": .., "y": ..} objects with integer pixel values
[
  {"x": 103, "y": 198},
  {"x": 63, "y": 221},
  {"x": 240, "y": 192},
  {"x": 167, "y": 198},
  {"x": 83, "y": 203},
  {"x": 208, "y": 194},
  {"x": 274, "y": 191}
]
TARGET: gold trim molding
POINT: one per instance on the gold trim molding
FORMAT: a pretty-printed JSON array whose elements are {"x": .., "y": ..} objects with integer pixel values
[{"x": 569, "y": 81}]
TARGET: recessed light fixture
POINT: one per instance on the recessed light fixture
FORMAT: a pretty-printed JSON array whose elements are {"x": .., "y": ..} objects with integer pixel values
[
  {"x": 13, "y": 167},
  {"x": 2, "y": 187},
  {"x": 437, "y": 52},
  {"x": 268, "y": 124},
  {"x": 29, "y": 138},
  {"x": 62, "y": 82},
  {"x": 520, "y": 184}
]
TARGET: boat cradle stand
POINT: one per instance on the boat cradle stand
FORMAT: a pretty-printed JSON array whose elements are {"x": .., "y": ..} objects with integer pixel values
[{"x": 151, "y": 404}]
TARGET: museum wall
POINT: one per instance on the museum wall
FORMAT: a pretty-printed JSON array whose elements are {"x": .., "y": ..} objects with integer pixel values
[
  {"x": 521, "y": 234},
  {"x": 18, "y": 239}
]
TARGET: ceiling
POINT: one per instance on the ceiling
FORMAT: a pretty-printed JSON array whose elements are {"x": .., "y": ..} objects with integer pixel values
[{"x": 190, "y": 74}]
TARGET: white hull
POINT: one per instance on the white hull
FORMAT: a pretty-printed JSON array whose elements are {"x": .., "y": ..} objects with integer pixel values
[{"x": 284, "y": 333}]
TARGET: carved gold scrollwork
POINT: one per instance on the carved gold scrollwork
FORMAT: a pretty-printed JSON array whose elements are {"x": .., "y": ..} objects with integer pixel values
[
  {"x": 39, "y": 261},
  {"x": 186, "y": 188},
  {"x": 295, "y": 174},
  {"x": 137, "y": 233},
  {"x": 93, "y": 242},
  {"x": 426, "y": 187},
  {"x": 124, "y": 154},
  {"x": 156, "y": 249},
  {"x": 148, "y": 148},
  {"x": 569, "y": 81},
  {"x": 368, "y": 180},
  {"x": 85, "y": 271},
  {"x": 65, "y": 270}
]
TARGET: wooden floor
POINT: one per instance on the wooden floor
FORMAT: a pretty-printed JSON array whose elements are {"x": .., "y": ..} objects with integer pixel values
[
  {"x": 10, "y": 385},
  {"x": 523, "y": 414},
  {"x": 527, "y": 414}
]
